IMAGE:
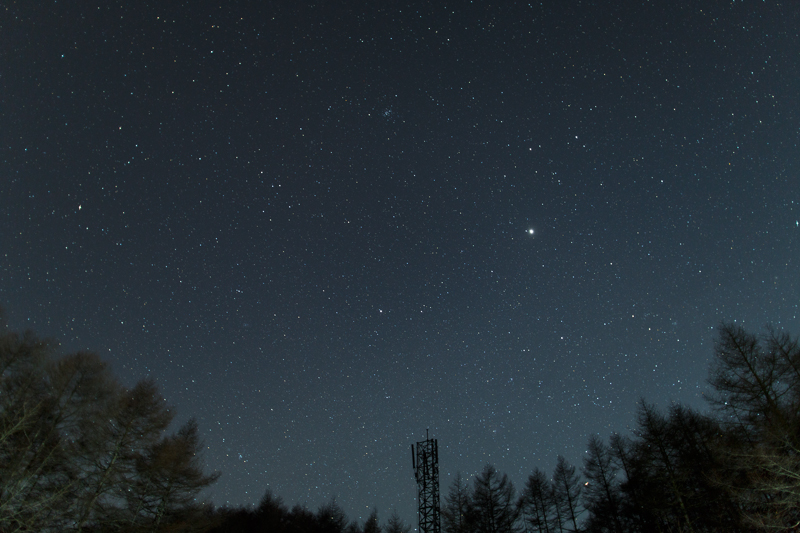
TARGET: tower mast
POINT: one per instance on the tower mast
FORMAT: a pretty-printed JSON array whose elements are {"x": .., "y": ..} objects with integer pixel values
[{"x": 426, "y": 471}]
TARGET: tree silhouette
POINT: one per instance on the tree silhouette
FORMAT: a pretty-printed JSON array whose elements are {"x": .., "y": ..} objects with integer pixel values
[
  {"x": 396, "y": 524},
  {"x": 136, "y": 420},
  {"x": 567, "y": 493},
  {"x": 80, "y": 452},
  {"x": 494, "y": 502},
  {"x": 664, "y": 465},
  {"x": 601, "y": 495},
  {"x": 538, "y": 505},
  {"x": 757, "y": 383},
  {"x": 456, "y": 514},
  {"x": 169, "y": 476},
  {"x": 331, "y": 518},
  {"x": 371, "y": 524}
]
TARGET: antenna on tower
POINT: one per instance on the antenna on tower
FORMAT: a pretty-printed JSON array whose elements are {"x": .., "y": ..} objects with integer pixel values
[{"x": 426, "y": 471}]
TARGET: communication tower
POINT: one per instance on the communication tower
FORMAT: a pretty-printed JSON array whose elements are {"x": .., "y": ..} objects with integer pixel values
[{"x": 426, "y": 471}]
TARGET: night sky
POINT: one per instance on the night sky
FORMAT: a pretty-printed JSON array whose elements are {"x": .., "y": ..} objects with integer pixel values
[{"x": 324, "y": 228}]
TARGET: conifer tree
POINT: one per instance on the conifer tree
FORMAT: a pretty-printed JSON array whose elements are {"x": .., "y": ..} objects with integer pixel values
[
  {"x": 567, "y": 493},
  {"x": 601, "y": 495},
  {"x": 537, "y": 504},
  {"x": 494, "y": 503},
  {"x": 371, "y": 524},
  {"x": 396, "y": 524},
  {"x": 456, "y": 514}
]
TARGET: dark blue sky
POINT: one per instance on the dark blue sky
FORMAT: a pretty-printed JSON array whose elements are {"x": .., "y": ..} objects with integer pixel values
[{"x": 310, "y": 223}]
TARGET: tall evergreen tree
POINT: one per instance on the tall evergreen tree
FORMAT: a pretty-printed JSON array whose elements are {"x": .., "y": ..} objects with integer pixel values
[
  {"x": 300, "y": 520},
  {"x": 698, "y": 440},
  {"x": 271, "y": 512},
  {"x": 331, "y": 518},
  {"x": 354, "y": 527},
  {"x": 456, "y": 517},
  {"x": 633, "y": 508},
  {"x": 396, "y": 524},
  {"x": 601, "y": 495},
  {"x": 567, "y": 493},
  {"x": 494, "y": 503},
  {"x": 664, "y": 466},
  {"x": 371, "y": 524},
  {"x": 537, "y": 504}
]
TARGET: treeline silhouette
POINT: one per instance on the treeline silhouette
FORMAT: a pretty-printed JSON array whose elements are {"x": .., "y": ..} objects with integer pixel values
[
  {"x": 737, "y": 469},
  {"x": 271, "y": 515},
  {"x": 80, "y": 452}
]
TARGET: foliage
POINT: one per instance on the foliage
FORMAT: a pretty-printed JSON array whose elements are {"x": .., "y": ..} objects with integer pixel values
[
  {"x": 602, "y": 497},
  {"x": 371, "y": 524},
  {"x": 457, "y": 512},
  {"x": 757, "y": 380},
  {"x": 566, "y": 495},
  {"x": 537, "y": 504},
  {"x": 493, "y": 508},
  {"x": 396, "y": 524},
  {"x": 78, "y": 451}
]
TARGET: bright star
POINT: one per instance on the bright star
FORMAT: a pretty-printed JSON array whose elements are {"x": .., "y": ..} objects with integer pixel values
[{"x": 530, "y": 231}]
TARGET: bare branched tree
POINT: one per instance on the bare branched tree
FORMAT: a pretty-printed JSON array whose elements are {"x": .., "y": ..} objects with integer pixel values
[
  {"x": 494, "y": 503},
  {"x": 76, "y": 447},
  {"x": 456, "y": 514},
  {"x": 757, "y": 384}
]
